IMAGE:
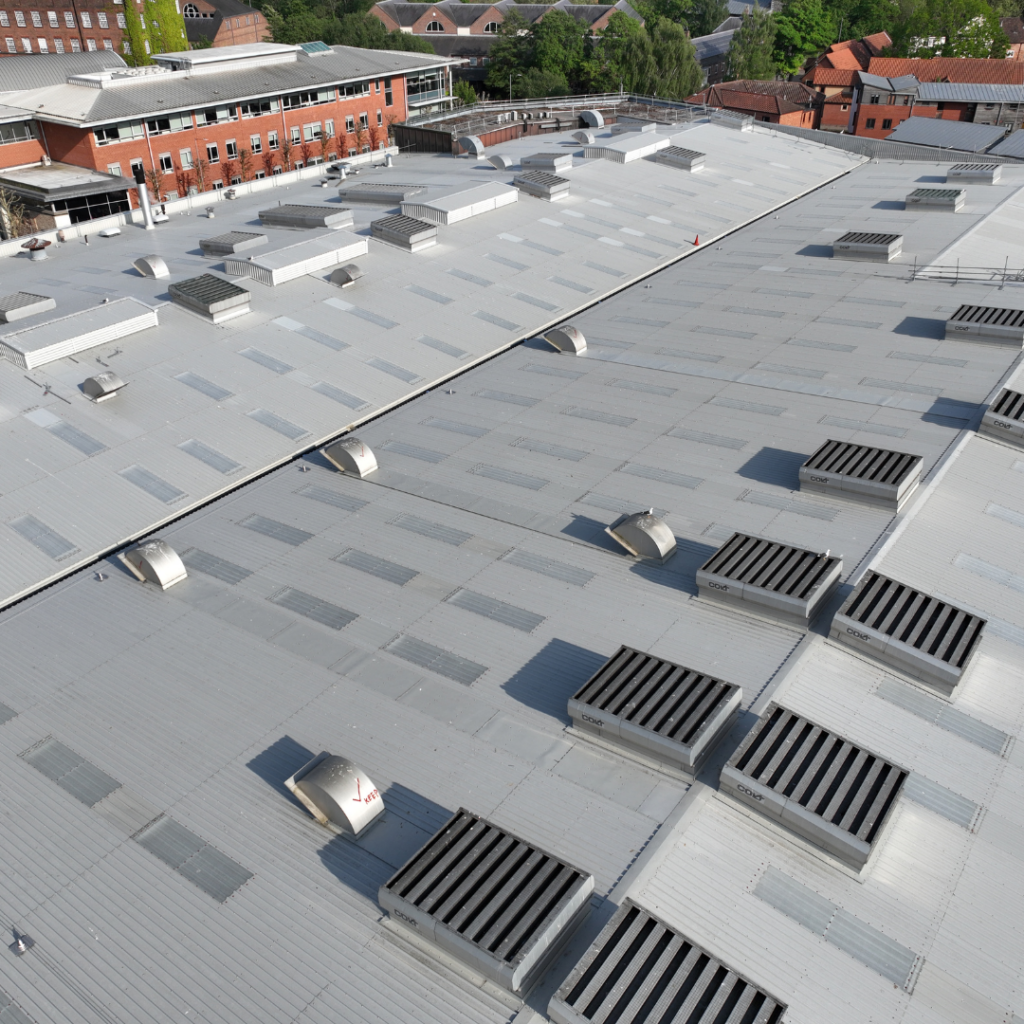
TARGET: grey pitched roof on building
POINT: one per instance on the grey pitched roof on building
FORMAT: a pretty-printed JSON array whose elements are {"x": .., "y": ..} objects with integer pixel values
[
  {"x": 21, "y": 71},
  {"x": 1012, "y": 145},
  {"x": 905, "y": 83},
  {"x": 970, "y": 92},
  {"x": 928, "y": 131},
  {"x": 714, "y": 45}
]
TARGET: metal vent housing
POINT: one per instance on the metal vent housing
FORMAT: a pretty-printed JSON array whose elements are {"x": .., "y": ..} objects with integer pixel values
[
  {"x": 152, "y": 266},
  {"x": 949, "y": 199},
  {"x": 293, "y": 261},
  {"x": 870, "y": 246},
  {"x": 1004, "y": 418},
  {"x": 23, "y": 304},
  {"x": 656, "y": 707},
  {"x": 406, "y": 233},
  {"x": 542, "y": 184},
  {"x": 231, "y": 242},
  {"x": 553, "y": 163},
  {"x": 677, "y": 156},
  {"x": 566, "y": 339},
  {"x": 926, "y": 638},
  {"x": 643, "y": 535},
  {"x": 154, "y": 561},
  {"x": 103, "y": 386},
  {"x": 491, "y": 899},
  {"x": 350, "y": 455},
  {"x": 292, "y": 215},
  {"x": 337, "y": 793},
  {"x": 378, "y": 193},
  {"x": 764, "y": 576},
  {"x": 640, "y": 970},
  {"x": 500, "y": 162},
  {"x": 729, "y": 119},
  {"x": 211, "y": 297},
  {"x": 858, "y": 471},
  {"x": 988, "y": 324},
  {"x": 980, "y": 174},
  {"x": 827, "y": 789}
]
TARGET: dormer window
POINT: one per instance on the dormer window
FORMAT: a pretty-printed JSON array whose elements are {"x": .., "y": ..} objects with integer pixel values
[
  {"x": 491, "y": 26},
  {"x": 190, "y": 11},
  {"x": 435, "y": 26}
]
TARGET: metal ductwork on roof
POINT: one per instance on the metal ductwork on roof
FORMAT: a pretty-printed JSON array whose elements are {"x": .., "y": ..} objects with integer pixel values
[
  {"x": 461, "y": 202},
  {"x": 1004, "y": 418},
  {"x": 730, "y": 119},
  {"x": 820, "y": 785},
  {"x": 499, "y": 904},
  {"x": 293, "y": 215},
  {"x": 211, "y": 297},
  {"x": 584, "y": 137},
  {"x": 947, "y": 199},
  {"x": 500, "y": 162},
  {"x": 850, "y": 470},
  {"x": 640, "y": 970},
  {"x": 103, "y": 386},
  {"x": 350, "y": 455},
  {"x": 152, "y": 266},
  {"x": 677, "y": 156},
  {"x": 542, "y": 185},
  {"x": 868, "y": 246},
  {"x": 231, "y": 242},
  {"x": 154, "y": 561},
  {"x": 621, "y": 127},
  {"x": 346, "y": 276},
  {"x": 472, "y": 145},
  {"x": 592, "y": 118},
  {"x": 928, "y": 639},
  {"x": 653, "y": 706},
  {"x": 337, "y": 793},
  {"x": 404, "y": 232},
  {"x": 643, "y": 535},
  {"x": 24, "y": 304},
  {"x": 626, "y": 148},
  {"x": 553, "y": 163},
  {"x": 293, "y": 261},
  {"x": 566, "y": 339},
  {"x": 987, "y": 323},
  {"x": 764, "y": 576},
  {"x": 978, "y": 174},
  {"x": 378, "y": 193}
]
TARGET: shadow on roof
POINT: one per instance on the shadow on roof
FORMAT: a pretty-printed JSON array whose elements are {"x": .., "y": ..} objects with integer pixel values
[
  {"x": 936, "y": 178},
  {"x": 680, "y": 571},
  {"x": 591, "y": 531},
  {"x": 553, "y": 675},
  {"x": 816, "y": 250},
  {"x": 280, "y": 761},
  {"x": 921, "y": 327},
  {"x": 948, "y": 412},
  {"x": 889, "y": 204},
  {"x": 775, "y": 466}
]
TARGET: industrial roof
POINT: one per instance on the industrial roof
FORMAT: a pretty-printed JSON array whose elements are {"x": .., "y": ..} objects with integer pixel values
[
  {"x": 55, "y": 181},
  {"x": 430, "y": 623},
  {"x": 928, "y": 131},
  {"x": 1012, "y": 145},
  {"x": 970, "y": 92},
  {"x": 21, "y": 71}
]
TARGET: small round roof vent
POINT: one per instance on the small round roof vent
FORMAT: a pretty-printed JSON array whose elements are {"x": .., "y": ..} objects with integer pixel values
[
  {"x": 337, "y": 793},
  {"x": 102, "y": 386},
  {"x": 152, "y": 266},
  {"x": 566, "y": 339},
  {"x": 584, "y": 137},
  {"x": 472, "y": 145},
  {"x": 592, "y": 118},
  {"x": 350, "y": 455},
  {"x": 644, "y": 535},
  {"x": 154, "y": 561},
  {"x": 346, "y": 276},
  {"x": 500, "y": 162}
]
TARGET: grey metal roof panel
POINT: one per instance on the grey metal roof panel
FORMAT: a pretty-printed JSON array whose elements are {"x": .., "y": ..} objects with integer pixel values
[
  {"x": 970, "y": 92},
  {"x": 1011, "y": 146},
  {"x": 20, "y": 71},
  {"x": 928, "y": 131}
]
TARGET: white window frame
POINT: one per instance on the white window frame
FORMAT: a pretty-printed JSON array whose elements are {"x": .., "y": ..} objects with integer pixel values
[
  {"x": 185, "y": 157},
  {"x": 255, "y": 144}
]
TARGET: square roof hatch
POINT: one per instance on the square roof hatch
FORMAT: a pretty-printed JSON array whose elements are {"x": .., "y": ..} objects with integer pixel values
[
  {"x": 485, "y": 896},
  {"x": 858, "y": 471},
  {"x": 820, "y": 785},
  {"x": 926, "y": 638},
  {"x": 656, "y": 707},
  {"x": 404, "y": 232},
  {"x": 211, "y": 297},
  {"x": 1004, "y": 418},
  {"x": 989, "y": 324},
  {"x": 870, "y": 246},
  {"x": 642, "y": 971},
  {"x": 766, "y": 577},
  {"x": 542, "y": 184},
  {"x": 293, "y": 215}
]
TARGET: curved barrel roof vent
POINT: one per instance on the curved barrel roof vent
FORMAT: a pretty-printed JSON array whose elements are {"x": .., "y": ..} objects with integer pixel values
[
  {"x": 1004, "y": 418},
  {"x": 337, "y": 793},
  {"x": 566, "y": 339},
  {"x": 472, "y": 145},
  {"x": 152, "y": 266},
  {"x": 857, "y": 471},
  {"x": 643, "y": 535},
  {"x": 584, "y": 137},
  {"x": 987, "y": 323},
  {"x": 870, "y": 246},
  {"x": 346, "y": 276},
  {"x": 102, "y": 386},
  {"x": 592, "y": 118},
  {"x": 929, "y": 639},
  {"x": 763, "y": 576},
  {"x": 154, "y": 561},
  {"x": 487, "y": 897},
  {"x": 350, "y": 455},
  {"x": 822, "y": 786},
  {"x": 661, "y": 709},
  {"x": 500, "y": 162}
]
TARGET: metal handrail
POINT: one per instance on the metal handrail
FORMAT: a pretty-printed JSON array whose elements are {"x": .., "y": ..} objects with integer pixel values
[{"x": 989, "y": 275}]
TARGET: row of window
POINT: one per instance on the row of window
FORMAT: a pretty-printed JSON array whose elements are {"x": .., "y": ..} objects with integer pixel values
[
  {"x": 43, "y": 45},
  {"x": 886, "y": 124},
  {"x": 191, "y": 11},
  {"x": 22, "y": 131},
  {"x": 436, "y": 26},
  {"x": 53, "y": 20}
]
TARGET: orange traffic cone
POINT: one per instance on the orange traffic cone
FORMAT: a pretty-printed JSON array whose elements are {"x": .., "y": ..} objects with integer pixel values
[{"x": 696, "y": 241}]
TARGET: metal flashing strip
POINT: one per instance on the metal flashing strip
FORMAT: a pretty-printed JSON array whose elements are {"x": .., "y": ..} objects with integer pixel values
[
  {"x": 640, "y": 970},
  {"x": 556, "y": 451},
  {"x": 213, "y": 458},
  {"x": 313, "y": 335},
  {"x": 869, "y": 946},
  {"x": 553, "y": 371},
  {"x": 598, "y": 416},
  {"x": 395, "y": 371},
  {"x": 213, "y": 565},
  {"x": 442, "y": 346},
  {"x": 277, "y": 423},
  {"x": 413, "y": 451},
  {"x": 506, "y": 396},
  {"x": 152, "y": 484},
  {"x": 635, "y": 385},
  {"x": 956, "y": 808},
  {"x": 264, "y": 360},
  {"x": 665, "y": 476},
  {"x": 469, "y": 429},
  {"x": 733, "y": 403},
  {"x": 784, "y": 504},
  {"x": 436, "y": 659},
  {"x": 499, "y": 611},
  {"x": 718, "y": 440},
  {"x": 507, "y": 476},
  {"x": 339, "y": 396},
  {"x": 436, "y": 531}
]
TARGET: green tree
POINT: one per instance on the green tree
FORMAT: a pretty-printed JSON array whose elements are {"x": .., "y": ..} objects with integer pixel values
[
  {"x": 510, "y": 53},
  {"x": 628, "y": 56},
  {"x": 803, "y": 29},
  {"x": 674, "y": 10},
  {"x": 134, "y": 39},
  {"x": 560, "y": 44},
  {"x": 166, "y": 26},
  {"x": 536, "y": 82},
  {"x": 750, "y": 52},
  {"x": 705, "y": 16},
  {"x": 679, "y": 74},
  {"x": 462, "y": 90},
  {"x": 970, "y": 28}
]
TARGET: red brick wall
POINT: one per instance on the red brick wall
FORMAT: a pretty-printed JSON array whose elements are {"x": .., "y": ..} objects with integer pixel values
[
  {"x": 70, "y": 37},
  {"x": 14, "y": 154}
]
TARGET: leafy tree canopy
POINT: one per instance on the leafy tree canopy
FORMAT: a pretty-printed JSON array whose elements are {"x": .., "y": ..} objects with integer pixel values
[
  {"x": 753, "y": 45},
  {"x": 804, "y": 28}
]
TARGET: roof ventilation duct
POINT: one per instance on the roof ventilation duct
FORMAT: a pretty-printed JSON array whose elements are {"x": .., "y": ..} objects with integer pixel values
[
  {"x": 926, "y": 638},
  {"x": 293, "y": 215},
  {"x": 211, "y": 297},
  {"x": 822, "y": 786},
  {"x": 988, "y": 324},
  {"x": 152, "y": 266},
  {"x": 979, "y": 174},
  {"x": 948, "y": 199},
  {"x": 472, "y": 145},
  {"x": 584, "y": 137},
  {"x": 687, "y": 159},
  {"x": 869, "y": 246},
  {"x": 231, "y": 242},
  {"x": 293, "y": 261},
  {"x": 729, "y": 119},
  {"x": 1004, "y": 418},
  {"x": 542, "y": 185},
  {"x": 643, "y": 535},
  {"x": 103, "y": 386},
  {"x": 337, "y": 793},
  {"x": 346, "y": 276},
  {"x": 626, "y": 148},
  {"x": 154, "y": 561},
  {"x": 553, "y": 163},
  {"x": 500, "y": 162},
  {"x": 378, "y": 193},
  {"x": 24, "y": 304},
  {"x": 857, "y": 471},
  {"x": 350, "y": 455},
  {"x": 763, "y": 576},
  {"x": 460, "y": 203},
  {"x": 495, "y": 902},
  {"x": 592, "y": 118},
  {"x": 620, "y": 127},
  {"x": 641, "y": 971},
  {"x": 404, "y": 232},
  {"x": 566, "y": 339},
  {"x": 658, "y": 708}
]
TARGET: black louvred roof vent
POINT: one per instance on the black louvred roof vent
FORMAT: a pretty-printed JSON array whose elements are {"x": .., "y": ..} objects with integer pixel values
[
  {"x": 859, "y": 471},
  {"x": 1004, "y": 418}
]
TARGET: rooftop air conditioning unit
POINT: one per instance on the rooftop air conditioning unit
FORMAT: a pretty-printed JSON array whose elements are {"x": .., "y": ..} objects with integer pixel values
[
  {"x": 231, "y": 242},
  {"x": 764, "y": 576},
  {"x": 487, "y": 897},
  {"x": 378, "y": 193},
  {"x": 211, "y": 297},
  {"x": 909, "y": 631},
  {"x": 337, "y": 793},
  {"x": 979, "y": 174},
  {"x": 850, "y": 470},
  {"x": 553, "y": 163},
  {"x": 643, "y": 535},
  {"x": 154, "y": 561},
  {"x": 640, "y": 970},
  {"x": 655, "y": 707},
  {"x": 822, "y": 786},
  {"x": 103, "y": 386},
  {"x": 542, "y": 185},
  {"x": 1004, "y": 418},
  {"x": 948, "y": 199},
  {"x": 869, "y": 246},
  {"x": 293, "y": 261},
  {"x": 24, "y": 304},
  {"x": 676, "y": 156},
  {"x": 292, "y": 215},
  {"x": 404, "y": 232},
  {"x": 987, "y": 324},
  {"x": 730, "y": 119},
  {"x": 350, "y": 455},
  {"x": 152, "y": 266},
  {"x": 566, "y": 339}
]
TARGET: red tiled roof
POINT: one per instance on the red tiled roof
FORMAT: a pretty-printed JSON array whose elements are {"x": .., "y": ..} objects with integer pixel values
[
  {"x": 877, "y": 43},
  {"x": 831, "y": 76},
  {"x": 839, "y": 97},
  {"x": 984, "y": 70},
  {"x": 759, "y": 97},
  {"x": 849, "y": 60}
]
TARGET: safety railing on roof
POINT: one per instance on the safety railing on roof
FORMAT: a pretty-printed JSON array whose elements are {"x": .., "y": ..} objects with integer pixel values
[{"x": 970, "y": 275}]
